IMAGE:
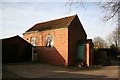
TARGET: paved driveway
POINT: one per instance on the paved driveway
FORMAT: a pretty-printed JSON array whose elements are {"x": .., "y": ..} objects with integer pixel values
[{"x": 38, "y": 70}]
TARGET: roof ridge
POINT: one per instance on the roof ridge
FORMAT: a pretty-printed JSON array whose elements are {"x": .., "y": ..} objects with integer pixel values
[{"x": 11, "y": 37}]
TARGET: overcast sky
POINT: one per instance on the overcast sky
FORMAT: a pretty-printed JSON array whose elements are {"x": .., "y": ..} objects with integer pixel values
[{"x": 17, "y": 17}]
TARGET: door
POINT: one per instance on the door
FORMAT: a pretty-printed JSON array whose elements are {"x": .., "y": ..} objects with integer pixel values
[{"x": 80, "y": 51}]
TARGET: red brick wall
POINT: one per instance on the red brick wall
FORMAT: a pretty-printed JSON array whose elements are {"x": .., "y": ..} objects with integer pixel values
[
  {"x": 76, "y": 34},
  {"x": 87, "y": 55},
  {"x": 50, "y": 55},
  {"x": 58, "y": 54},
  {"x": 28, "y": 36},
  {"x": 89, "y": 52}
]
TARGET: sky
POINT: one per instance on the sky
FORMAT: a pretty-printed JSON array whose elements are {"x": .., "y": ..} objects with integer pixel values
[{"x": 18, "y": 17}]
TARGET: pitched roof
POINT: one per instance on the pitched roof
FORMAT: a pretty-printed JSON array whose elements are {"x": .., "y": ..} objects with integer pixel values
[
  {"x": 16, "y": 38},
  {"x": 53, "y": 24}
]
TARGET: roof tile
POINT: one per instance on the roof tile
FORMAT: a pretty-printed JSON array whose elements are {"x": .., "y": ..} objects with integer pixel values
[{"x": 53, "y": 24}]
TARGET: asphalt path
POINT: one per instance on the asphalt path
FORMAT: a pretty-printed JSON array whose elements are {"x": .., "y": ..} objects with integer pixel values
[{"x": 38, "y": 70}]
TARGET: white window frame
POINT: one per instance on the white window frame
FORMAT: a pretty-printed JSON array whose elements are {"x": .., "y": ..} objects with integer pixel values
[
  {"x": 49, "y": 40},
  {"x": 33, "y": 40}
]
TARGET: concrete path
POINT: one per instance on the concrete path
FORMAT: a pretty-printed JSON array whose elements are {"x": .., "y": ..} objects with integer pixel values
[{"x": 38, "y": 70}]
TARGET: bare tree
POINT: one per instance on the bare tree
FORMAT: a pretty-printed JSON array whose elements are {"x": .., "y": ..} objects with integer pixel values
[
  {"x": 114, "y": 37},
  {"x": 111, "y": 8},
  {"x": 71, "y": 3},
  {"x": 99, "y": 43}
]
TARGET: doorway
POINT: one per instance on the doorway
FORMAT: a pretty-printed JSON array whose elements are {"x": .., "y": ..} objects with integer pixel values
[{"x": 80, "y": 53}]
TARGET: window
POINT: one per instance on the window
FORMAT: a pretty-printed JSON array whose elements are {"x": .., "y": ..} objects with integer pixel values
[
  {"x": 49, "y": 41},
  {"x": 33, "y": 41}
]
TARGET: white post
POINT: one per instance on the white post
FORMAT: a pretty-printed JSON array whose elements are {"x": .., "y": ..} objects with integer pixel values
[{"x": 32, "y": 54}]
